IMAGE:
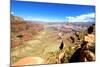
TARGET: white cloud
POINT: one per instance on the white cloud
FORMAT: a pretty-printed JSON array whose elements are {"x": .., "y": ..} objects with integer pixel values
[
  {"x": 12, "y": 13},
  {"x": 82, "y": 18}
]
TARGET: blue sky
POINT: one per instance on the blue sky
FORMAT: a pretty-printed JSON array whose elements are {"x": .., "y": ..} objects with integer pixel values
[{"x": 53, "y": 12}]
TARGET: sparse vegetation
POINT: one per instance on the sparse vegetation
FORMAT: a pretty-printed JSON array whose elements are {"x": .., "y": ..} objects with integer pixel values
[{"x": 39, "y": 40}]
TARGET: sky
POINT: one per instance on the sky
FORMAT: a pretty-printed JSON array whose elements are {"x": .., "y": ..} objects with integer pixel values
[{"x": 53, "y": 12}]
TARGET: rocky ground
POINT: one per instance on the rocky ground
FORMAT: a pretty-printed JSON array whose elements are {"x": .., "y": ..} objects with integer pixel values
[{"x": 41, "y": 46}]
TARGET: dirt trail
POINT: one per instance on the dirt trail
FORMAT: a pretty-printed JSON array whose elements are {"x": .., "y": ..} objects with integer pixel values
[{"x": 29, "y": 61}]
